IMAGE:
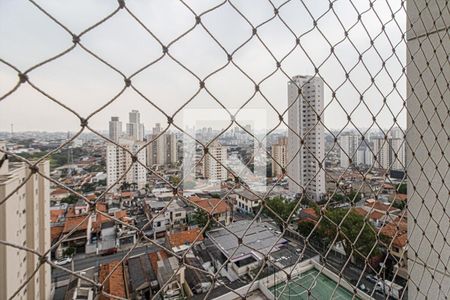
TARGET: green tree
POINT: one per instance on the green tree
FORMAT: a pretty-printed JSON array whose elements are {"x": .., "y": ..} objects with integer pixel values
[
  {"x": 399, "y": 204},
  {"x": 125, "y": 186},
  {"x": 353, "y": 230},
  {"x": 88, "y": 187},
  {"x": 280, "y": 210},
  {"x": 70, "y": 251},
  {"x": 174, "y": 180},
  {"x": 71, "y": 199},
  {"x": 401, "y": 188},
  {"x": 200, "y": 218}
]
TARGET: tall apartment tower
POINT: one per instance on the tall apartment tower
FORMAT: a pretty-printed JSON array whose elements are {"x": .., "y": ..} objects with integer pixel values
[
  {"x": 135, "y": 130},
  {"x": 115, "y": 129},
  {"x": 24, "y": 221},
  {"x": 118, "y": 161},
  {"x": 381, "y": 153},
  {"x": 163, "y": 150},
  {"x": 427, "y": 136},
  {"x": 306, "y": 169},
  {"x": 212, "y": 169},
  {"x": 390, "y": 153},
  {"x": 279, "y": 156},
  {"x": 349, "y": 143}
]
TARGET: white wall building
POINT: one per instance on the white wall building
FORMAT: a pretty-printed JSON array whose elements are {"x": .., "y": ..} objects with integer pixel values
[
  {"x": 163, "y": 150},
  {"x": 135, "y": 130},
  {"x": 428, "y": 170},
  {"x": 115, "y": 129},
  {"x": 390, "y": 153},
  {"x": 118, "y": 161},
  {"x": 306, "y": 169},
  {"x": 279, "y": 156},
  {"x": 24, "y": 221},
  {"x": 349, "y": 143},
  {"x": 212, "y": 169}
]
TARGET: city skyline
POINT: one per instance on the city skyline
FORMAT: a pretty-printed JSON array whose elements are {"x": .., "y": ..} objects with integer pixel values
[{"x": 85, "y": 84}]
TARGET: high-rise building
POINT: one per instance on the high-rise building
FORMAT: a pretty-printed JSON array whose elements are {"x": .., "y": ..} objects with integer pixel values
[
  {"x": 349, "y": 144},
  {"x": 212, "y": 169},
  {"x": 279, "y": 156},
  {"x": 157, "y": 128},
  {"x": 118, "y": 161},
  {"x": 306, "y": 157},
  {"x": 163, "y": 150},
  {"x": 24, "y": 221},
  {"x": 390, "y": 153},
  {"x": 115, "y": 129},
  {"x": 381, "y": 153},
  {"x": 397, "y": 153},
  {"x": 135, "y": 130}
]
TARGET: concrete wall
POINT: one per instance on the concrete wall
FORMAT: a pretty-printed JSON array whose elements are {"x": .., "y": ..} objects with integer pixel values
[{"x": 428, "y": 104}]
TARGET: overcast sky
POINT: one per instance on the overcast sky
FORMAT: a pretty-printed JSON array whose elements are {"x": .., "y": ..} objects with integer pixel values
[{"x": 83, "y": 83}]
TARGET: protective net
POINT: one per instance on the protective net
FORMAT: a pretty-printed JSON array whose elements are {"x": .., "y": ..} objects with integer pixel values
[{"x": 349, "y": 228}]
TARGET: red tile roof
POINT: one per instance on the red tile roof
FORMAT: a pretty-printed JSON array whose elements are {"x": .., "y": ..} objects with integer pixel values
[
  {"x": 72, "y": 222},
  {"x": 378, "y": 205},
  {"x": 115, "y": 284},
  {"x": 55, "y": 214},
  {"x": 59, "y": 191},
  {"x": 184, "y": 237},
  {"x": 211, "y": 205},
  {"x": 55, "y": 232},
  {"x": 397, "y": 230}
]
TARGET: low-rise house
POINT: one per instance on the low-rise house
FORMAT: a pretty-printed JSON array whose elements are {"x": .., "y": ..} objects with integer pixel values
[
  {"x": 59, "y": 194},
  {"x": 142, "y": 277},
  {"x": 396, "y": 234},
  {"x": 379, "y": 212},
  {"x": 218, "y": 208},
  {"x": 242, "y": 259},
  {"x": 183, "y": 240},
  {"x": 248, "y": 202},
  {"x": 171, "y": 277},
  {"x": 115, "y": 284},
  {"x": 197, "y": 280}
]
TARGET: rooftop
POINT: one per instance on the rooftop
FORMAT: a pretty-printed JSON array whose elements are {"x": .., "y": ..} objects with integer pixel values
[
  {"x": 260, "y": 236},
  {"x": 115, "y": 284},
  {"x": 211, "y": 205},
  {"x": 186, "y": 237}
]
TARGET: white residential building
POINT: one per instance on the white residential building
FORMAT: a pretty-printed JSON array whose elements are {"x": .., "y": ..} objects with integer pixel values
[
  {"x": 135, "y": 130},
  {"x": 115, "y": 129},
  {"x": 306, "y": 169},
  {"x": 24, "y": 221},
  {"x": 163, "y": 150},
  {"x": 118, "y": 161},
  {"x": 279, "y": 156},
  {"x": 349, "y": 143},
  {"x": 381, "y": 153},
  {"x": 390, "y": 153},
  {"x": 212, "y": 169}
]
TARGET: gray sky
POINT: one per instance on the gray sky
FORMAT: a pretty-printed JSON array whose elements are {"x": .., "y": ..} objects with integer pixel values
[{"x": 84, "y": 84}]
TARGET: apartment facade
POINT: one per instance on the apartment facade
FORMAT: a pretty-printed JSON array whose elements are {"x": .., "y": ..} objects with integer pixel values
[
  {"x": 115, "y": 129},
  {"x": 389, "y": 153},
  {"x": 279, "y": 156},
  {"x": 118, "y": 161},
  {"x": 306, "y": 136},
  {"x": 214, "y": 162},
  {"x": 162, "y": 150},
  {"x": 135, "y": 130},
  {"x": 349, "y": 144},
  {"x": 24, "y": 221}
]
